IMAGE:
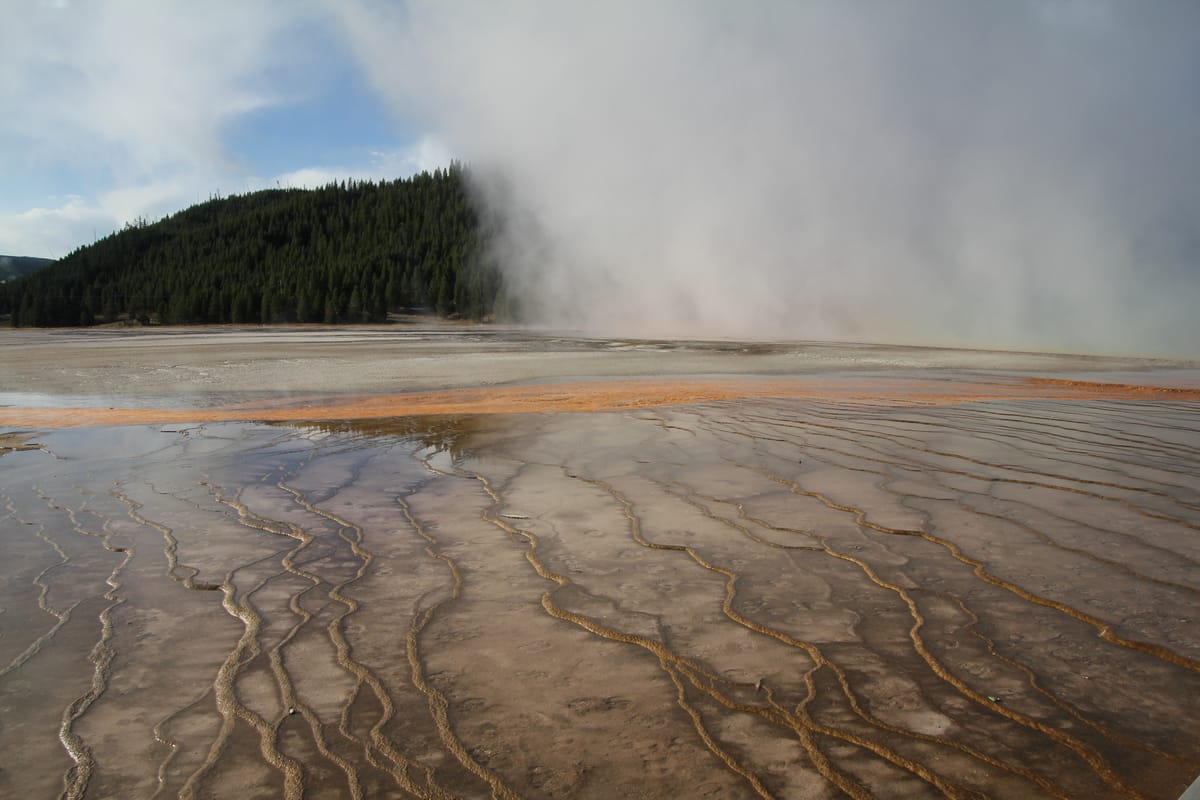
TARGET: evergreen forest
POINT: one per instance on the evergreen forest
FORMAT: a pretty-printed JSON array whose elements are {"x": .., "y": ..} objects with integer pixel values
[
  {"x": 15, "y": 266},
  {"x": 348, "y": 252}
]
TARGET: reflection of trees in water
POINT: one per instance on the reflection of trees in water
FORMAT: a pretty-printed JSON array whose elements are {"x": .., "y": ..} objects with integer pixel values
[{"x": 449, "y": 434}]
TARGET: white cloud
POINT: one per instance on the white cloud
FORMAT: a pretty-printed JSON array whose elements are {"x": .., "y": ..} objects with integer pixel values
[
  {"x": 136, "y": 87},
  {"x": 53, "y": 232},
  {"x": 129, "y": 100},
  {"x": 126, "y": 104},
  {"x": 424, "y": 155}
]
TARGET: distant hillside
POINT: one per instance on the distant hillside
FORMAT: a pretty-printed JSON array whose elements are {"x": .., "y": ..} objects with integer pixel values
[
  {"x": 348, "y": 252},
  {"x": 16, "y": 266}
]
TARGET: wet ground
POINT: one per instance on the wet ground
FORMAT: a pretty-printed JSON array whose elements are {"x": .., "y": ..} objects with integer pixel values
[{"x": 892, "y": 593}]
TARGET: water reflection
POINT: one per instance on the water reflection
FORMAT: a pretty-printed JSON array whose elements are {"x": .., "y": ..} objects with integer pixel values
[
  {"x": 450, "y": 434},
  {"x": 760, "y": 598}
]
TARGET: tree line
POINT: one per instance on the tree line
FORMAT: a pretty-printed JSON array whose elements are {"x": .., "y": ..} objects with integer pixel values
[{"x": 347, "y": 252}]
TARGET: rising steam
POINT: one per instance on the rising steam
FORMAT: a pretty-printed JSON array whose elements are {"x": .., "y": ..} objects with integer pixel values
[{"x": 1018, "y": 174}]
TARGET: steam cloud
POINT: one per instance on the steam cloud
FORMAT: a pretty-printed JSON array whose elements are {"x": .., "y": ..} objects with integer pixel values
[{"x": 1017, "y": 174}]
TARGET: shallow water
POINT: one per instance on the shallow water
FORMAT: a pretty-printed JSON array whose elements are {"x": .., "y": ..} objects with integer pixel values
[{"x": 755, "y": 597}]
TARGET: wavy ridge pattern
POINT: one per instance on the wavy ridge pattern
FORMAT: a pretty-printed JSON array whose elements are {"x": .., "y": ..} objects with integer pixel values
[{"x": 751, "y": 598}]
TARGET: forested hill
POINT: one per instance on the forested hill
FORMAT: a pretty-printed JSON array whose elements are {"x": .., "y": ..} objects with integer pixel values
[
  {"x": 16, "y": 266},
  {"x": 348, "y": 252}
]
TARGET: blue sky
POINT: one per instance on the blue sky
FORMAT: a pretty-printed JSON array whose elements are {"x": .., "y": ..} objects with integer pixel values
[{"x": 116, "y": 110}]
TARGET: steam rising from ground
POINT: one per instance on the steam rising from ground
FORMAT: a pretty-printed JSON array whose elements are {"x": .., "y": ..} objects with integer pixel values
[{"x": 1014, "y": 174}]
